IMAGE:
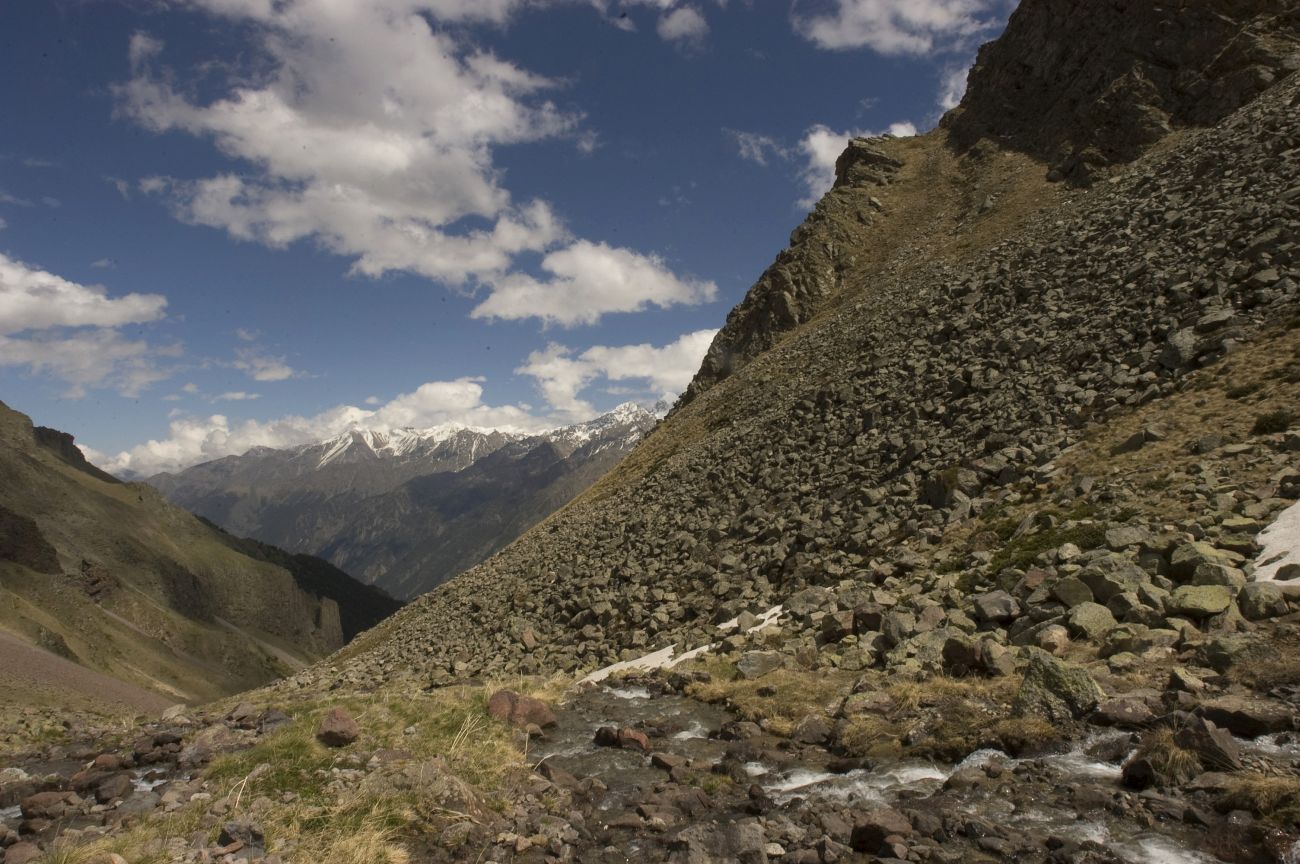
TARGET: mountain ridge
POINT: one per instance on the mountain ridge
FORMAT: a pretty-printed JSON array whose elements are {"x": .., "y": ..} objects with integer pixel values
[{"x": 392, "y": 506}]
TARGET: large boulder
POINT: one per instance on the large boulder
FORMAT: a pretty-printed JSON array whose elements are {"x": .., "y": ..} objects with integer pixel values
[
  {"x": 997, "y": 607},
  {"x": 756, "y": 664},
  {"x": 338, "y": 728},
  {"x": 1199, "y": 601},
  {"x": 521, "y": 711},
  {"x": 872, "y": 828},
  {"x": 1187, "y": 557},
  {"x": 1249, "y": 718},
  {"x": 1091, "y": 621},
  {"x": 1056, "y": 690},
  {"x": 1260, "y": 600}
]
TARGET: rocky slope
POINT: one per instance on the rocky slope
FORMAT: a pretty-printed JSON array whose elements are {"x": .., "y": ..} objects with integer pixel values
[
  {"x": 408, "y": 510},
  {"x": 865, "y": 433},
  {"x": 110, "y": 576}
]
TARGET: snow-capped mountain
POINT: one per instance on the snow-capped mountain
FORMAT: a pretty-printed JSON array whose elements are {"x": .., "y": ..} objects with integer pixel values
[{"x": 406, "y": 508}]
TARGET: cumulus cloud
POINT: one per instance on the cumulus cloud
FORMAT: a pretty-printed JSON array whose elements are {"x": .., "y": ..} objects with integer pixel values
[
  {"x": 194, "y": 439},
  {"x": 236, "y": 396},
  {"x": 53, "y": 326},
  {"x": 90, "y": 360},
  {"x": 821, "y": 146},
  {"x": 369, "y": 129},
  {"x": 684, "y": 24},
  {"x": 588, "y": 280},
  {"x": 263, "y": 367},
  {"x": 562, "y": 375},
  {"x": 952, "y": 87},
  {"x": 897, "y": 27},
  {"x": 757, "y": 148},
  {"x": 35, "y": 299}
]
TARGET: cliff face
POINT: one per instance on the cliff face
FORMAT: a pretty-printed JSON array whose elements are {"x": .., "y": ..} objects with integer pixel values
[
  {"x": 1078, "y": 85},
  {"x": 1081, "y": 84}
]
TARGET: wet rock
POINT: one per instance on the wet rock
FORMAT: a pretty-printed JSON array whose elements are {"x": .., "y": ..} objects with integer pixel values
[
  {"x": 625, "y": 738},
  {"x": 1056, "y": 690},
  {"x": 338, "y": 728},
  {"x": 1126, "y": 713},
  {"x": 1215, "y": 746},
  {"x": 114, "y": 787},
  {"x": 510, "y": 707},
  {"x": 243, "y": 840},
  {"x": 1249, "y": 718},
  {"x": 873, "y": 828},
  {"x": 48, "y": 805}
]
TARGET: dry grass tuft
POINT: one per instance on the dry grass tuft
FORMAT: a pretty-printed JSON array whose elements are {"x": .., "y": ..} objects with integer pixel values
[
  {"x": 1172, "y": 763},
  {"x": 1275, "y": 799}
]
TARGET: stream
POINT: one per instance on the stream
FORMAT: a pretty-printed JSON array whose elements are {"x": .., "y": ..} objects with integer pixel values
[{"x": 1045, "y": 801}]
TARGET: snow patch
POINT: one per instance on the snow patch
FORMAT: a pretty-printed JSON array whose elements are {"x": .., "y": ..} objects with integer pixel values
[
  {"x": 664, "y": 658},
  {"x": 1281, "y": 545},
  {"x": 765, "y": 620}
]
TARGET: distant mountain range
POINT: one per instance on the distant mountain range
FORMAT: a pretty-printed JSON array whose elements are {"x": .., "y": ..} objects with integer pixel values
[{"x": 406, "y": 509}]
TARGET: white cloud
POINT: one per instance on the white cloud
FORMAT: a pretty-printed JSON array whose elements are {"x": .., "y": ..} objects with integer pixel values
[
  {"x": 588, "y": 280},
  {"x": 952, "y": 87},
  {"x": 3, "y": 224},
  {"x": 757, "y": 148},
  {"x": 89, "y": 359},
  {"x": 562, "y": 376},
  {"x": 263, "y": 367},
  {"x": 246, "y": 334},
  {"x": 34, "y": 299},
  {"x": 684, "y": 24},
  {"x": 369, "y": 130},
  {"x": 68, "y": 331},
  {"x": 193, "y": 439},
  {"x": 821, "y": 147},
  {"x": 236, "y": 396},
  {"x": 103, "y": 264},
  {"x": 893, "y": 27}
]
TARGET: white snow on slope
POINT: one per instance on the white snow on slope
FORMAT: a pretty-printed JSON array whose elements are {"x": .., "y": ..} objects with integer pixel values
[{"x": 1281, "y": 542}]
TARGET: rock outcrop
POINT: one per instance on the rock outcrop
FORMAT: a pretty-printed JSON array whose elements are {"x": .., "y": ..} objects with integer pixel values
[{"x": 1083, "y": 85}]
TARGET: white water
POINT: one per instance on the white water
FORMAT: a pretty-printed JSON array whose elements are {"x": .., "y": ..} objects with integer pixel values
[
  {"x": 629, "y": 692},
  {"x": 10, "y": 814},
  {"x": 695, "y": 730}
]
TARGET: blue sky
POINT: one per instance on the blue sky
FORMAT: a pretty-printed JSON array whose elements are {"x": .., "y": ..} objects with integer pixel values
[{"x": 228, "y": 223}]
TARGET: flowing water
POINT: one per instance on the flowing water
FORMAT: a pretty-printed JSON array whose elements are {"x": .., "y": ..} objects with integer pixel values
[{"x": 689, "y": 728}]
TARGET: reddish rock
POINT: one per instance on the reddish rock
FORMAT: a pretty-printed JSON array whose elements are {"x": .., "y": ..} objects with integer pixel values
[
  {"x": 626, "y": 739},
  {"x": 338, "y": 729},
  {"x": 48, "y": 805},
  {"x": 631, "y": 739},
  {"x": 22, "y": 853},
  {"x": 114, "y": 786},
  {"x": 108, "y": 762},
  {"x": 510, "y": 707}
]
